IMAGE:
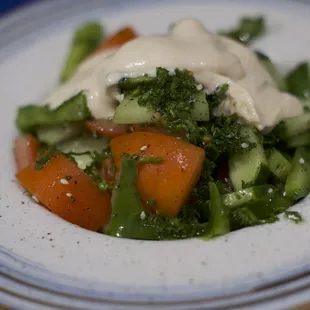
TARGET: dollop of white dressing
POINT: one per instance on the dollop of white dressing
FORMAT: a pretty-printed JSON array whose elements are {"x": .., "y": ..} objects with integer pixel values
[{"x": 213, "y": 59}]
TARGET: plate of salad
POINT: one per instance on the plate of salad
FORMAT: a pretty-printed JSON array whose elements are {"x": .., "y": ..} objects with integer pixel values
[{"x": 161, "y": 165}]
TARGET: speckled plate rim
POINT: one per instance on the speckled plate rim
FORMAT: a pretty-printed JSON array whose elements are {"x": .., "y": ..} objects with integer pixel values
[
  {"x": 47, "y": 279},
  {"x": 18, "y": 280}
]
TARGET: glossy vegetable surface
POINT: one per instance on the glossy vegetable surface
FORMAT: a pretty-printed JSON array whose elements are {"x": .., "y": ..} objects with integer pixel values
[
  {"x": 170, "y": 182},
  {"x": 26, "y": 149},
  {"x": 68, "y": 192},
  {"x": 127, "y": 208}
]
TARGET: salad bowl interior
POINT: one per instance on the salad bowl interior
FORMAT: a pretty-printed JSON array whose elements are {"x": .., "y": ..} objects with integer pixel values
[{"x": 45, "y": 250}]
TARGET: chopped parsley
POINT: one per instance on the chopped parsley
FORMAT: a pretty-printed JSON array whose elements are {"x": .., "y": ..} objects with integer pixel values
[
  {"x": 172, "y": 96},
  {"x": 174, "y": 227},
  {"x": 42, "y": 161},
  {"x": 94, "y": 169},
  {"x": 150, "y": 160}
]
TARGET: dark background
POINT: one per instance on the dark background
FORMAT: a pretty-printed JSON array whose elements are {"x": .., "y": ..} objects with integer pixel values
[{"x": 7, "y": 6}]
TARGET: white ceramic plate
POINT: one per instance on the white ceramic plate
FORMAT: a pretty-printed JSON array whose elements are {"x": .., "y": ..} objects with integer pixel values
[{"x": 46, "y": 262}]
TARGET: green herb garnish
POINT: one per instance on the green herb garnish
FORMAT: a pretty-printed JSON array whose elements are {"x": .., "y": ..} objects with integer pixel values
[
  {"x": 248, "y": 29},
  {"x": 293, "y": 216},
  {"x": 41, "y": 162}
]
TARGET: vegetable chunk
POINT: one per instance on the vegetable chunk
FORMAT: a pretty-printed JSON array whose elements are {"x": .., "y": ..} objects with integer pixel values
[
  {"x": 169, "y": 182},
  {"x": 26, "y": 149},
  {"x": 117, "y": 39},
  {"x": 68, "y": 192}
]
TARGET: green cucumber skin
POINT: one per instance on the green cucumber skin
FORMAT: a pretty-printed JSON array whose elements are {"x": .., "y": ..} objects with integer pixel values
[
  {"x": 58, "y": 134},
  {"x": 130, "y": 112},
  {"x": 132, "y": 83},
  {"x": 299, "y": 140},
  {"x": 246, "y": 196},
  {"x": 86, "y": 38},
  {"x": 80, "y": 149},
  {"x": 250, "y": 167},
  {"x": 297, "y": 185},
  {"x": 127, "y": 206},
  {"x": 294, "y": 126},
  {"x": 31, "y": 117},
  {"x": 278, "y": 164},
  {"x": 219, "y": 223}
]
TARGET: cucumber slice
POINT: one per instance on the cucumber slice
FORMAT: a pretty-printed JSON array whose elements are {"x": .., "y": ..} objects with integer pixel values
[
  {"x": 247, "y": 196},
  {"x": 130, "y": 112},
  {"x": 83, "y": 160},
  {"x": 250, "y": 168},
  {"x": 300, "y": 140},
  {"x": 57, "y": 134},
  {"x": 201, "y": 110},
  {"x": 294, "y": 126},
  {"x": 81, "y": 149},
  {"x": 132, "y": 83},
  {"x": 298, "y": 181},
  {"x": 278, "y": 164},
  {"x": 84, "y": 144}
]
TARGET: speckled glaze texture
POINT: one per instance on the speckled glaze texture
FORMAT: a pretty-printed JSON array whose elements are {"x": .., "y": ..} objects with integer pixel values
[{"x": 52, "y": 262}]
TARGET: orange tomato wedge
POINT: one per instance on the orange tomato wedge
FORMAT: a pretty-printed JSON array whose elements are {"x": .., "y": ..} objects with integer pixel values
[
  {"x": 68, "y": 192},
  {"x": 170, "y": 182}
]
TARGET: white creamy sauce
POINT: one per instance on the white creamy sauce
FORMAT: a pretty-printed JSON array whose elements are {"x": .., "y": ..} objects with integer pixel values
[{"x": 214, "y": 60}]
